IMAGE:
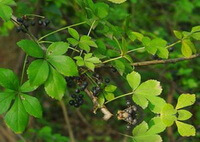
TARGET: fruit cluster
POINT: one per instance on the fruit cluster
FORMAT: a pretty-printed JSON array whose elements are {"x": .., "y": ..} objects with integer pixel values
[
  {"x": 77, "y": 100},
  {"x": 25, "y": 22}
]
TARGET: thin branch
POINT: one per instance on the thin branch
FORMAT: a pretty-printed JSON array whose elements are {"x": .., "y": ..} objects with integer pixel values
[
  {"x": 154, "y": 62},
  {"x": 66, "y": 117}
]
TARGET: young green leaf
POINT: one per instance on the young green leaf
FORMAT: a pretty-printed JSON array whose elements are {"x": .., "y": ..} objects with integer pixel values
[
  {"x": 31, "y": 48},
  {"x": 156, "y": 104},
  {"x": 32, "y": 105},
  {"x": 64, "y": 65},
  {"x": 8, "y": 79},
  {"x": 55, "y": 86},
  {"x": 101, "y": 10},
  {"x": 86, "y": 42},
  {"x": 38, "y": 72},
  {"x": 133, "y": 79},
  {"x": 186, "y": 49},
  {"x": 109, "y": 96},
  {"x": 156, "y": 126},
  {"x": 57, "y": 48},
  {"x": 140, "y": 129},
  {"x": 5, "y": 101},
  {"x": 185, "y": 130},
  {"x": 117, "y": 1},
  {"x": 110, "y": 88},
  {"x": 168, "y": 114},
  {"x": 101, "y": 99},
  {"x": 79, "y": 61},
  {"x": 163, "y": 52},
  {"x": 8, "y": 2},
  {"x": 140, "y": 100},
  {"x": 17, "y": 117},
  {"x": 178, "y": 34},
  {"x": 5, "y": 12},
  {"x": 184, "y": 115},
  {"x": 149, "y": 88},
  {"x": 90, "y": 65},
  {"x": 26, "y": 87},
  {"x": 195, "y": 29},
  {"x": 73, "y": 41},
  {"x": 196, "y": 35},
  {"x": 185, "y": 100},
  {"x": 73, "y": 33}
]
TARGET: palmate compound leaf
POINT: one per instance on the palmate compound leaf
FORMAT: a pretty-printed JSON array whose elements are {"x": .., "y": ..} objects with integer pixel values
[
  {"x": 117, "y": 1},
  {"x": 168, "y": 114},
  {"x": 145, "y": 92},
  {"x": 64, "y": 65},
  {"x": 32, "y": 105},
  {"x": 185, "y": 100},
  {"x": 17, "y": 117},
  {"x": 140, "y": 134},
  {"x": 55, "y": 86},
  {"x": 5, "y": 100},
  {"x": 38, "y": 72},
  {"x": 8, "y": 79},
  {"x": 185, "y": 130}
]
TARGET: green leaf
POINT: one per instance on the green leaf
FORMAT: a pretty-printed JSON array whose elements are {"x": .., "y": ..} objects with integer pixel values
[
  {"x": 131, "y": 36},
  {"x": 86, "y": 42},
  {"x": 163, "y": 52},
  {"x": 157, "y": 126},
  {"x": 156, "y": 104},
  {"x": 138, "y": 35},
  {"x": 31, "y": 48},
  {"x": 178, "y": 34},
  {"x": 185, "y": 100},
  {"x": 73, "y": 41},
  {"x": 110, "y": 88},
  {"x": 79, "y": 61},
  {"x": 94, "y": 60},
  {"x": 196, "y": 36},
  {"x": 140, "y": 100},
  {"x": 57, "y": 48},
  {"x": 109, "y": 96},
  {"x": 73, "y": 33},
  {"x": 184, "y": 115},
  {"x": 185, "y": 130},
  {"x": 168, "y": 115},
  {"x": 140, "y": 129},
  {"x": 8, "y": 2},
  {"x": 101, "y": 99},
  {"x": 64, "y": 65},
  {"x": 117, "y": 1},
  {"x": 133, "y": 79},
  {"x": 5, "y": 100},
  {"x": 156, "y": 44},
  {"x": 149, "y": 88},
  {"x": 196, "y": 29},
  {"x": 185, "y": 49},
  {"x": 55, "y": 86},
  {"x": 90, "y": 65},
  {"x": 17, "y": 117},
  {"x": 32, "y": 105},
  {"x": 38, "y": 72},
  {"x": 119, "y": 65},
  {"x": 101, "y": 10},
  {"x": 8, "y": 79},
  {"x": 5, "y": 12},
  {"x": 140, "y": 134},
  {"x": 26, "y": 87}
]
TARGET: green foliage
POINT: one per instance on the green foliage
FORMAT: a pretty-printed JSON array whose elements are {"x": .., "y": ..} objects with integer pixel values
[{"x": 5, "y": 9}]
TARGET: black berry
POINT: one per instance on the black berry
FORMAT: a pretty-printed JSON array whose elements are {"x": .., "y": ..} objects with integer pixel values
[
  {"x": 19, "y": 29},
  {"x": 40, "y": 22},
  {"x": 80, "y": 96},
  {"x": 20, "y": 20},
  {"x": 77, "y": 91},
  {"x": 76, "y": 105},
  {"x": 47, "y": 22},
  {"x": 80, "y": 102},
  {"x": 71, "y": 102},
  {"x": 32, "y": 23},
  {"x": 107, "y": 80},
  {"x": 73, "y": 96}
]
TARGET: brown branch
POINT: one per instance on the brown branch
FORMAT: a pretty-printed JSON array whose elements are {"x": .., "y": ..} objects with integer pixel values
[
  {"x": 154, "y": 62},
  {"x": 103, "y": 108},
  {"x": 66, "y": 117}
]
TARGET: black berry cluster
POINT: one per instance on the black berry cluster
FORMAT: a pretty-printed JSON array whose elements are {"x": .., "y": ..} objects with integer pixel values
[
  {"x": 77, "y": 100},
  {"x": 25, "y": 22}
]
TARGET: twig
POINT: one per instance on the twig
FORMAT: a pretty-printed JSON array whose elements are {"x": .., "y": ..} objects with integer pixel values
[
  {"x": 103, "y": 108},
  {"x": 154, "y": 62},
  {"x": 66, "y": 117}
]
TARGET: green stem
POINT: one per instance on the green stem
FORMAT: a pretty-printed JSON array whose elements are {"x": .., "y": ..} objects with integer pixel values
[
  {"x": 173, "y": 44},
  {"x": 112, "y": 59},
  {"x": 35, "y": 15},
  {"x": 50, "y": 42},
  {"x": 23, "y": 70},
  {"x": 74, "y": 49},
  {"x": 91, "y": 27},
  {"x": 91, "y": 78},
  {"x": 61, "y": 29},
  {"x": 133, "y": 50},
  {"x": 124, "y": 95}
]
